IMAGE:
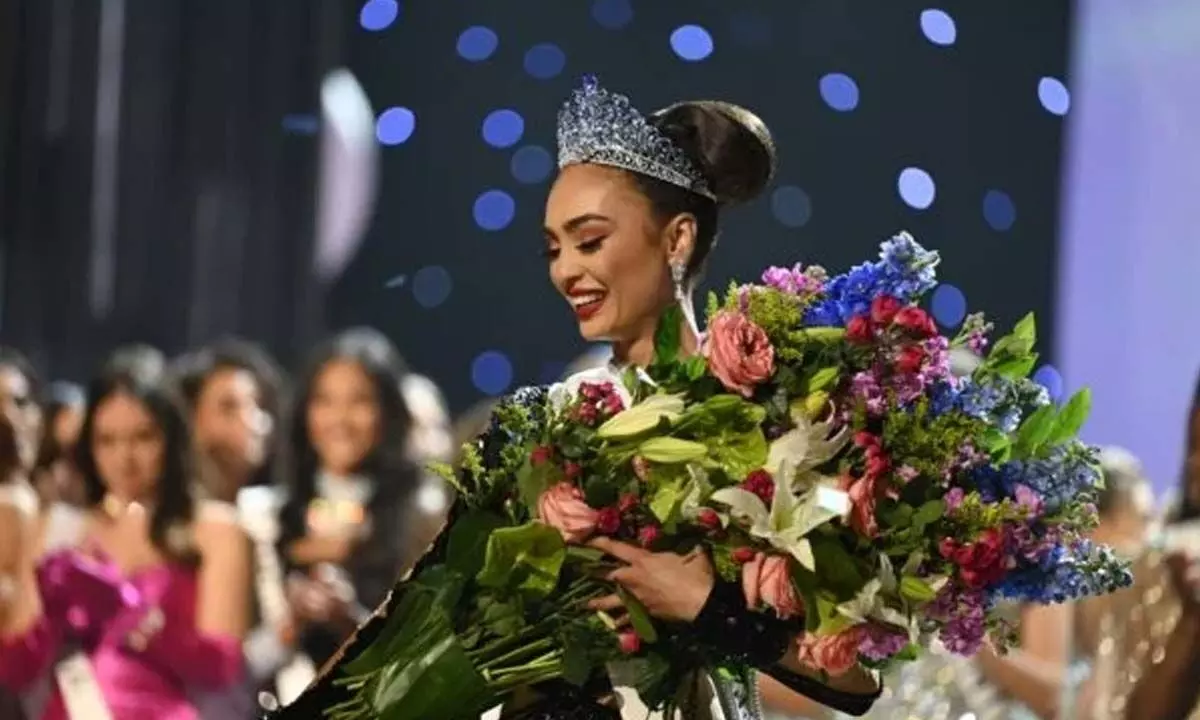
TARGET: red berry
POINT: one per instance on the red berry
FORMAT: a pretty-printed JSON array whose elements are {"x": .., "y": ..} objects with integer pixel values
[
  {"x": 572, "y": 470},
  {"x": 629, "y": 641},
  {"x": 608, "y": 520},
  {"x": 742, "y": 555},
  {"x": 649, "y": 535},
  {"x": 627, "y": 503},
  {"x": 540, "y": 455},
  {"x": 709, "y": 518}
]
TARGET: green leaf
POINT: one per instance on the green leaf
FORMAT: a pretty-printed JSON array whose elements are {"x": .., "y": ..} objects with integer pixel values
[
  {"x": 671, "y": 451},
  {"x": 526, "y": 558},
  {"x": 695, "y": 367},
  {"x": 666, "y": 501},
  {"x": 639, "y": 616},
  {"x": 1017, "y": 367},
  {"x": 1071, "y": 418},
  {"x": 667, "y": 336},
  {"x": 915, "y": 589},
  {"x": 738, "y": 454},
  {"x": 836, "y": 567},
  {"x": 1026, "y": 329},
  {"x": 820, "y": 379},
  {"x": 1034, "y": 430},
  {"x": 438, "y": 681},
  {"x": 504, "y": 618},
  {"x": 468, "y": 540},
  {"x": 532, "y": 481},
  {"x": 929, "y": 513}
]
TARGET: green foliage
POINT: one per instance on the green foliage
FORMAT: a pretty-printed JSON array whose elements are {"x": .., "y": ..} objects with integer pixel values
[
  {"x": 525, "y": 559},
  {"x": 639, "y": 616},
  {"x": 926, "y": 441}
]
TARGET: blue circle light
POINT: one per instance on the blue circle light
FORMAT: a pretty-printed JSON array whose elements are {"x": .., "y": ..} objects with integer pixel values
[
  {"x": 431, "y": 286},
  {"x": 692, "y": 43},
  {"x": 612, "y": 14},
  {"x": 545, "y": 60},
  {"x": 938, "y": 27},
  {"x": 998, "y": 210},
  {"x": 949, "y": 305},
  {"x": 395, "y": 126},
  {"x": 503, "y": 128},
  {"x": 916, "y": 187},
  {"x": 791, "y": 206},
  {"x": 494, "y": 210},
  {"x": 378, "y": 15},
  {"x": 531, "y": 164},
  {"x": 1050, "y": 378},
  {"x": 491, "y": 372},
  {"x": 477, "y": 43},
  {"x": 839, "y": 91},
  {"x": 1054, "y": 96}
]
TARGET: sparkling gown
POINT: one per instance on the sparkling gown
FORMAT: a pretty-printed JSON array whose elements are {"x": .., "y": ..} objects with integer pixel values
[{"x": 133, "y": 636}]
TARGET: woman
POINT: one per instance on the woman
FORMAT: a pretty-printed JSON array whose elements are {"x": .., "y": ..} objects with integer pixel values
[
  {"x": 150, "y": 602},
  {"x": 55, "y": 475},
  {"x": 18, "y": 548},
  {"x": 350, "y": 477},
  {"x": 630, "y": 222}
]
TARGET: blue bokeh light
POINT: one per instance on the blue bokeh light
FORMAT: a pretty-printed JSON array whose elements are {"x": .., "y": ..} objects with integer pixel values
[
  {"x": 1050, "y": 378},
  {"x": 545, "y": 60},
  {"x": 791, "y": 206},
  {"x": 477, "y": 43},
  {"x": 692, "y": 43},
  {"x": 1054, "y": 96},
  {"x": 839, "y": 91},
  {"x": 503, "y": 128},
  {"x": 938, "y": 27},
  {"x": 491, "y": 372},
  {"x": 431, "y": 286},
  {"x": 494, "y": 210},
  {"x": 998, "y": 210},
  {"x": 916, "y": 188},
  {"x": 395, "y": 126},
  {"x": 531, "y": 164},
  {"x": 378, "y": 15},
  {"x": 948, "y": 305},
  {"x": 612, "y": 14}
]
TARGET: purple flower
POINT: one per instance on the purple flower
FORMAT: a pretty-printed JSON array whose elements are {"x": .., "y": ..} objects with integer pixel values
[
  {"x": 954, "y": 498},
  {"x": 964, "y": 613},
  {"x": 937, "y": 363},
  {"x": 880, "y": 642},
  {"x": 796, "y": 280},
  {"x": 1028, "y": 499},
  {"x": 864, "y": 387}
]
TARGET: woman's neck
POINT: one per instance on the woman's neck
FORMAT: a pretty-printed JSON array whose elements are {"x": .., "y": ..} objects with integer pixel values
[{"x": 639, "y": 351}]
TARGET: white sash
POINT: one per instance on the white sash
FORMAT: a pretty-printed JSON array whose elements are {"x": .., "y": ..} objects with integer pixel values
[
  {"x": 258, "y": 509},
  {"x": 80, "y": 691}
]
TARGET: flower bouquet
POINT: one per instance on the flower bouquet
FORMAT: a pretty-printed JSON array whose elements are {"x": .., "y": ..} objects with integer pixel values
[{"x": 819, "y": 449}]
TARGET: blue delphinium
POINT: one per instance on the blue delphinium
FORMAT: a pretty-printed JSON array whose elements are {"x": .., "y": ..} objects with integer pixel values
[
  {"x": 905, "y": 271},
  {"x": 1066, "y": 474},
  {"x": 1067, "y": 573}
]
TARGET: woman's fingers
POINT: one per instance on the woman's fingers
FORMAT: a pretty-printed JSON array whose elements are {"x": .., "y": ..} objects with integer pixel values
[{"x": 620, "y": 550}]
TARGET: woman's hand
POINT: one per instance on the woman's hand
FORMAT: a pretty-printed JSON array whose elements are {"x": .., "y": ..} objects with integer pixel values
[{"x": 672, "y": 587}]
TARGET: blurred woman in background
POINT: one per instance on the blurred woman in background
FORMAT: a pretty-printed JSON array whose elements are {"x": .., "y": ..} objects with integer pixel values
[
  {"x": 151, "y": 601},
  {"x": 350, "y": 481},
  {"x": 55, "y": 474},
  {"x": 18, "y": 549}
]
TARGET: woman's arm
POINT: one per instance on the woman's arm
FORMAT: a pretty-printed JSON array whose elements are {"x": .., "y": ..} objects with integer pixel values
[
  {"x": 314, "y": 550},
  {"x": 1034, "y": 674},
  {"x": 27, "y": 642},
  {"x": 207, "y": 653}
]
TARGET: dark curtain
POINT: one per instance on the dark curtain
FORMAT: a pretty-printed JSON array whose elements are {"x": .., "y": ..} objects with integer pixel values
[{"x": 148, "y": 189}]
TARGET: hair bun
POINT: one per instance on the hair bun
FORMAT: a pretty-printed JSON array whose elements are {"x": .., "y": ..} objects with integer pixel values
[{"x": 730, "y": 146}]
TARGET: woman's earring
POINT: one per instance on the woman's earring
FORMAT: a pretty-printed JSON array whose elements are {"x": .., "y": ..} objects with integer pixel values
[{"x": 678, "y": 273}]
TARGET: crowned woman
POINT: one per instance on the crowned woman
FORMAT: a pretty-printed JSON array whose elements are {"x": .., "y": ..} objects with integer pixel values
[{"x": 630, "y": 222}]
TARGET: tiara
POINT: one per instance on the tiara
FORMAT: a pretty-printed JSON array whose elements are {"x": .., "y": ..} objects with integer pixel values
[{"x": 601, "y": 127}]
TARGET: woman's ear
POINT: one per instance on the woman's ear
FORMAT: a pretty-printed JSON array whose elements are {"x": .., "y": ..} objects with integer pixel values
[{"x": 680, "y": 237}]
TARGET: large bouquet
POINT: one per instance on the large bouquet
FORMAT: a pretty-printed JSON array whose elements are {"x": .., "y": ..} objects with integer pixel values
[{"x": 819, "y": 449}]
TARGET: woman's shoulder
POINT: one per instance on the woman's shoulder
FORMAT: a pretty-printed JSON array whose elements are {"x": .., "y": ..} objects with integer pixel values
[{"x": 19, "y": 497}]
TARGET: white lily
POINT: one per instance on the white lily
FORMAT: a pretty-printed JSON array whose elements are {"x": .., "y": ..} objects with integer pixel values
[
  {"x": 807, "y": 445},
  {"x": 791, "y": 517}
]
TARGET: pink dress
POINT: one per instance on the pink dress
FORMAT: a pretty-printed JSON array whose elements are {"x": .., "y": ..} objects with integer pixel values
[{"x": 138, "y": 632}]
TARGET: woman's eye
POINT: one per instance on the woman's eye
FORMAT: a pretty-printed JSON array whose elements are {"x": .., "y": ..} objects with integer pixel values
[
  {"x": 550, "y": 253},
  {"x": 588, "y": 246}
]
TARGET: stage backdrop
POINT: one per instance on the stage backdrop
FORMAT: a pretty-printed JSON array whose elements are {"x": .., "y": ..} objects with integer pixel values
[{"x": 888, "y": 116}]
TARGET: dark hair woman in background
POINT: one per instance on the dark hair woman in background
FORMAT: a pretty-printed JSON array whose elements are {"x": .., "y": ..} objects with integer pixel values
[
  {"x": 349, "y": 477},
  {"x": 152, "y": 599}
]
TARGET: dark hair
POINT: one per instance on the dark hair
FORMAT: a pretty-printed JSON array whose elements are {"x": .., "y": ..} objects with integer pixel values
[
  {"x": 60, "y": 397},
  {"x": 388, "y": 464},
  {"x": 730, "y": 146},
  {"x": 193, "y": 370},
  {"x": 16, "y": 360},
  {"x": 173, "y": 506}
]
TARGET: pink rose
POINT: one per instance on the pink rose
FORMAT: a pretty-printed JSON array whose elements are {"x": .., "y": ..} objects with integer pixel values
[
  {"x": 739, "y": 353},
  {"x": 767, "y": 579},
  {"x": 563, "y": 508},
  {"x": 862, "y": 493},
  {"x": 835, "y": 654}
]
